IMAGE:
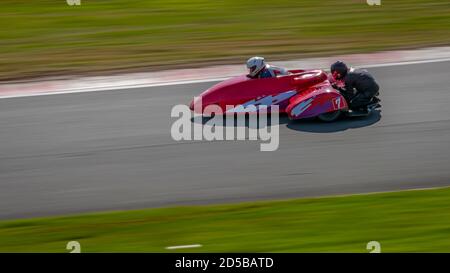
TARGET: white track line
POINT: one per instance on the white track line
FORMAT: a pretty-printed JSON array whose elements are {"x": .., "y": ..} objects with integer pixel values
[
  {"x": 112, "y": 88},
  {"x": 184, "y": 246},
  {"x": 376, "y": 192},
  {"x": 408, "y": 63},
  {"x": 172, "y": 83}
]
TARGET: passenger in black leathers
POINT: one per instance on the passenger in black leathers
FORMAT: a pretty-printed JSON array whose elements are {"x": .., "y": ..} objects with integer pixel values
[{"x": 360, "y": 88}]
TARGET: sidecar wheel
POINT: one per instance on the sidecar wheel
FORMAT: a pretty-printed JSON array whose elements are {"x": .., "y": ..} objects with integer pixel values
[{"x": 330, "y": 116}]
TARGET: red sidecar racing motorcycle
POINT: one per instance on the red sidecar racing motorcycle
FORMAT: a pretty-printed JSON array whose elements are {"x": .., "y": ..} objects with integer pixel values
[{"x": 301, "y": 94}]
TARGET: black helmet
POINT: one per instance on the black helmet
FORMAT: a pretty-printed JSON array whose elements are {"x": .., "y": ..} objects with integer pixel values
[{"x": 339, "y": 67}]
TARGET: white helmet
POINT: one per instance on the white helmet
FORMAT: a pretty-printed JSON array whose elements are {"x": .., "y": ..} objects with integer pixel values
[{"x": 255, "y": 65}]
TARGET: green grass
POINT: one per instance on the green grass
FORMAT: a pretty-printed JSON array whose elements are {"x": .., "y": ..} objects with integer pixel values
[
  {"x": 408, "y": 221},
  {"x": 48, "y": 37}
]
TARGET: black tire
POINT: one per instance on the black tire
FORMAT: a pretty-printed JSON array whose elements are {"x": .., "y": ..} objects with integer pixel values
[{"x": 330, "y": 116}]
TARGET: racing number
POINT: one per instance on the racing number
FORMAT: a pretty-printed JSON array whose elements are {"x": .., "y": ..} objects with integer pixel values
[{"x": 336, "y": 103}]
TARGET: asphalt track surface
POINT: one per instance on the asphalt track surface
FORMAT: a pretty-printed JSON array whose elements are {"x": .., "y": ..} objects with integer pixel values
[{"x": 111, "y": 150}]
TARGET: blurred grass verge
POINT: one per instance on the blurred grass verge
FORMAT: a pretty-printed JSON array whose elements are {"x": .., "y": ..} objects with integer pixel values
[
  {"x": 406, "y": 221},
  {"x": 51, "y": 38}
]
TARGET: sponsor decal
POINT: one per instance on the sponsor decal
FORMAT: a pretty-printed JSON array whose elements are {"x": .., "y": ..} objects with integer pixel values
[
  {"x": 301, "y": 107},
  {"x": 262, "y": 103}
]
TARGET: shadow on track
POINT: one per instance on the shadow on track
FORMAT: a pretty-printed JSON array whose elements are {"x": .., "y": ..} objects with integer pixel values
[
  {"x": 344, "y": 123},
  {"x": 312, "y": 125}
]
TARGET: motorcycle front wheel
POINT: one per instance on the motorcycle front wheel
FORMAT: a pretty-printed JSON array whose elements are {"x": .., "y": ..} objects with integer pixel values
[{"x": 330, "y": 116}]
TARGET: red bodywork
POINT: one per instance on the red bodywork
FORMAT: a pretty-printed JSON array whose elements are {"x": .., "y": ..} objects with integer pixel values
[{"x": 301, "y": 94}]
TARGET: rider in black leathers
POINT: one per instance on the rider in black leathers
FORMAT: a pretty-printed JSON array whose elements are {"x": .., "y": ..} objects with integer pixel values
[{"x": 360, "y": 88}]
